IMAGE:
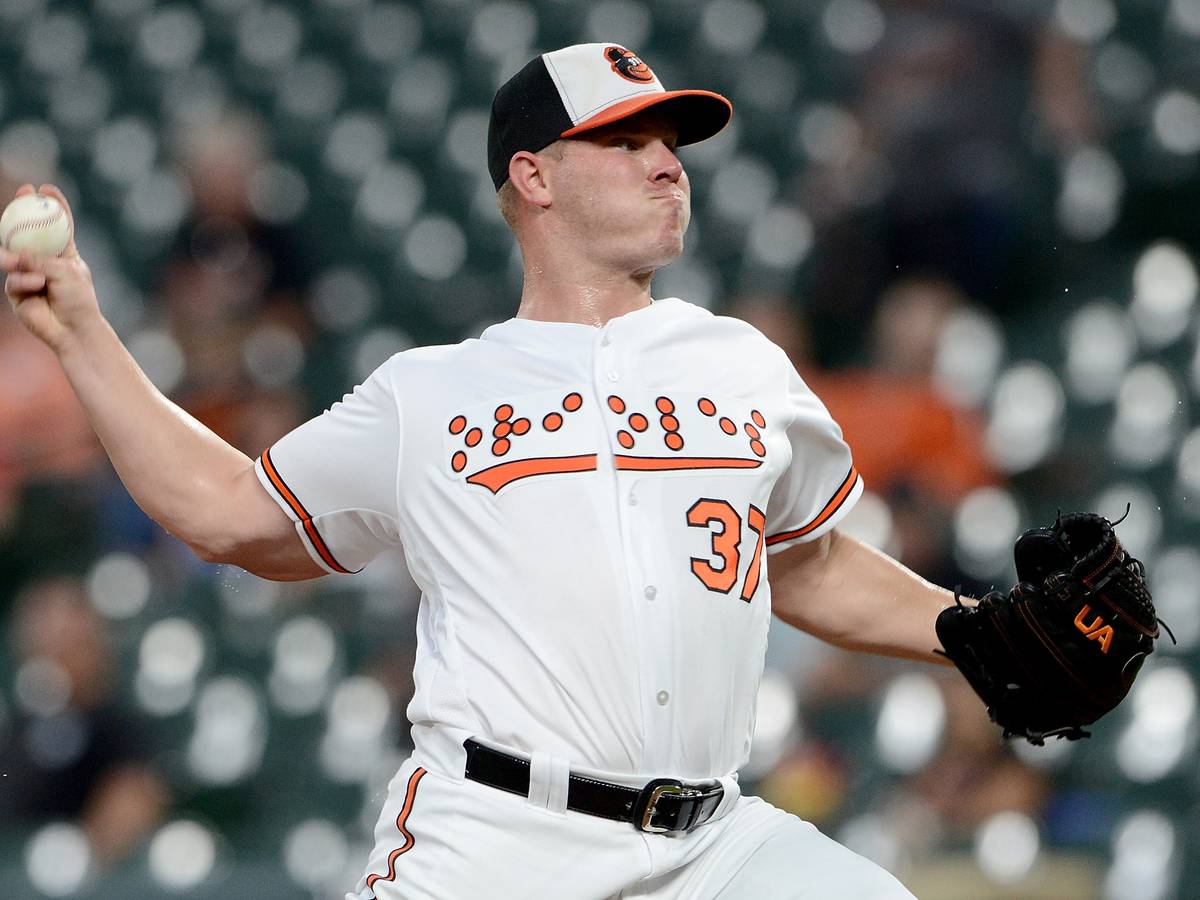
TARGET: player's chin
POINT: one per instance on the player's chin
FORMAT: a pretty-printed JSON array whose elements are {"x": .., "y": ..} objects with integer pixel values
[
  {"x": 670, "y": 237},
  {"x": 661, "y": 254}
]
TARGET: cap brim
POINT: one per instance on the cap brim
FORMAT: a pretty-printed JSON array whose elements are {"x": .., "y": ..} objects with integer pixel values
[{"x": 697, "y": 114}]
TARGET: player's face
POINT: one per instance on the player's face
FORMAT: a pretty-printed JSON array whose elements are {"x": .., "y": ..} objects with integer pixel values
[{"x": 625, "y": 193}]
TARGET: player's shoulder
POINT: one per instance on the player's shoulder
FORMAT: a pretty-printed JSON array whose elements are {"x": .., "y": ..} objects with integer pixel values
[
  {"x": 707, "y": 322},
  {"x": 422, "y": 368},
  {"x": 431, "y": 356}
]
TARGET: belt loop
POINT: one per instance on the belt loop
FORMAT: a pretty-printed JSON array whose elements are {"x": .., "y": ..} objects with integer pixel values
[
  {"x": 560, "y": 784},
  {"x": 549, "y": 779},
  {"x": 539, "y": 779},
  {"x": 732, "y": 791}
]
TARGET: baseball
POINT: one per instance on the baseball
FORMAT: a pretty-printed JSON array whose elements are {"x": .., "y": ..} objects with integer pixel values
[{"x": 35, "y": 223}]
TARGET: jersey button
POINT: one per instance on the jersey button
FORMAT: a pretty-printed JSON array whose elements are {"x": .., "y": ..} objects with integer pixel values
[
  {"x": 605, "y": 340},
  {"x": 663, "y": 698},
  {"x": 632, "y": 499},
  {"x": 651, "y": 592},
  {"x": 614, "y": 375}
]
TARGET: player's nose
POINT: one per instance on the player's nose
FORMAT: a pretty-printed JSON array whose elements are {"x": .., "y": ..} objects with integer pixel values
[{"x": 665, "y": 164}]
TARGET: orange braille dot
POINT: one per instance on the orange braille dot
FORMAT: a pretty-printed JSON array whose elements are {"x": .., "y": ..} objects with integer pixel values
[
  {"x": 664, "y": 405},
  {"x": 625, "y": 438},
  {"x": 758, "y": 418},
  {"x": 707, "y": 407},
  {"x": 520, "y": 426},
  {"x": 500, "y": 447},
  {"x": 457, "y": 424},
  {"x": 503, "y": 412},
  {"x": 669, "y": 423},
  {"x": 674, "y": 441},
  {"x": 758, "y": 448},
  {"x": 458, "y": 462},
  {"x": 474, "y": 436},
  {"x": 572, "y": 402},
  {"x": 638, "y": 422},
  {"x": 552, "y": 422},
  {"x": 616, "y": 404},
  {"x": 501, "y": 430},
  {"x": 752, "y": 431},
  {"x": 727, "y": 426}
]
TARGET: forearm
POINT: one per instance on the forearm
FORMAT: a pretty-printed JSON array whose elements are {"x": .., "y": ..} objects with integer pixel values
[
  {"x": 855, "y": 597},
  {"x": 175, "y": 468}
]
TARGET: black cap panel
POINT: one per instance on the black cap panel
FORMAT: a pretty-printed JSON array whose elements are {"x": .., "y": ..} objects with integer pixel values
[{"x": 527, "y": 114}]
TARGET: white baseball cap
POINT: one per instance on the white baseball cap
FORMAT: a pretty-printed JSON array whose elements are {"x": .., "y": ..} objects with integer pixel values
[{"x": 584, "y": 86}]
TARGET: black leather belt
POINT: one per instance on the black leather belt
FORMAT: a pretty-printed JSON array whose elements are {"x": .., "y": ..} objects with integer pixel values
[{"x": 663, "y": 806}]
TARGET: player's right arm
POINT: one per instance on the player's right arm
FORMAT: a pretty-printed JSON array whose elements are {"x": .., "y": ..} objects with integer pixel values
[{"x": 194, "y": 484}]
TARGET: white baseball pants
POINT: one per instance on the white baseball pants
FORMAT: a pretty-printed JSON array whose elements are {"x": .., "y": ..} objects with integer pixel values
[{"x": 441, "y": 838}]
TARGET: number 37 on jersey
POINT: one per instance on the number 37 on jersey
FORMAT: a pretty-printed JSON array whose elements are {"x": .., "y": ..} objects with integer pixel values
[{"x": 719, "y": 572}]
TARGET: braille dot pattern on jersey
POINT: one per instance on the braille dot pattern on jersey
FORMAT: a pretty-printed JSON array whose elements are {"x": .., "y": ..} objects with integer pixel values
[
  {"x": 752, "y": 428},
  {"x": 505, "y": 429}
]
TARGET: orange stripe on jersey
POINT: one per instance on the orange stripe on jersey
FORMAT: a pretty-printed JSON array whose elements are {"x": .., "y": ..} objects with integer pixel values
[
  {"x": 496, "y": 477},
  {"x": 834, "y": 504},
  {"x": 660, "y": 463},
  {"x": 298, "y": 508},
  {"x": 401, "y": 820}
]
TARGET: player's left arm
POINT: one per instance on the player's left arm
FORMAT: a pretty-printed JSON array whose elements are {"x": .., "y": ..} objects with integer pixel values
[{"x": 857, "y": 598}]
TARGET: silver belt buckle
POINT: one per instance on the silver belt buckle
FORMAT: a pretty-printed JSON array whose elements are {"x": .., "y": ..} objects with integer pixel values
[{"x": 655, "y": 794}]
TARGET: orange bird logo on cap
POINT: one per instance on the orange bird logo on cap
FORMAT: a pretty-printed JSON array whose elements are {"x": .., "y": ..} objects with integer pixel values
[{"x": 628, "y": 66}]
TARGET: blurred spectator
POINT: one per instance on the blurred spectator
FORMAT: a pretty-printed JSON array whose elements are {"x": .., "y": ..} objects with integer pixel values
[
  {"x": 259, "y": 263},
  {"x": 939, "y": 174},
  {"x": 911, "y": 446},
  {"x": 903, "y": 432},
  {"x": 231, "y": 275},
  {"x": 69, "y": 752}
]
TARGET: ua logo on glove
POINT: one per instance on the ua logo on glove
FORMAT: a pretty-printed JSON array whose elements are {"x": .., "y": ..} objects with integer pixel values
[{"x": 1095, "y": 630}]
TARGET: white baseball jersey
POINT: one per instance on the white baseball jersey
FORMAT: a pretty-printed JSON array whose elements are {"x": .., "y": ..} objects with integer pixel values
[{"x": 588, "y": 513}]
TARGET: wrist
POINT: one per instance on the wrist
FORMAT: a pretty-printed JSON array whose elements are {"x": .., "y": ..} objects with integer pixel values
[{"x": 76, "y": 340}]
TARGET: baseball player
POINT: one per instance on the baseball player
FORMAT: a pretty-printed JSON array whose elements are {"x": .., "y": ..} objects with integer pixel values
[{"x": 602, "y": 499}]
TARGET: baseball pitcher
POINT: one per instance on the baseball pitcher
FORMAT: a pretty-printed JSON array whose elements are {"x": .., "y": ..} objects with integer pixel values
[{"x": 603, "y": 501}]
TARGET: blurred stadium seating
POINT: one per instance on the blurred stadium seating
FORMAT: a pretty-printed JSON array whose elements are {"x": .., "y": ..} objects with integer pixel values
[{"x": 276, "y": 196}]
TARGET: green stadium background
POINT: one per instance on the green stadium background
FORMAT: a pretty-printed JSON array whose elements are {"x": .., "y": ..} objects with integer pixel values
[{"x": 972, "y": 223}]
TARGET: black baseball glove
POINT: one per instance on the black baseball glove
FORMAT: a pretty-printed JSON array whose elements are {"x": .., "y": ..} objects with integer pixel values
[{"x": 1061, "y": 648}]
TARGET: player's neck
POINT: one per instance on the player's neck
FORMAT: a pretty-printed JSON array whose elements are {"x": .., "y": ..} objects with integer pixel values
[{"x": 590, "y": 298}]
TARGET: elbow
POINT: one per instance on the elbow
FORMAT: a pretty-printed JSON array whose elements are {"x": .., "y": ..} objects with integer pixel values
[
  {"x": 216, "y": 552},
  {"x": 209, "y": 538},
  {"x": 259, "y": 560},
  {"x": 228, "y": 554},
  {"x": 219, "y": 545}
]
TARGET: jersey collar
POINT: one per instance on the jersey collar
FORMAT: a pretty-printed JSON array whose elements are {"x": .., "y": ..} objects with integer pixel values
[{"x": 538, "y": 331}]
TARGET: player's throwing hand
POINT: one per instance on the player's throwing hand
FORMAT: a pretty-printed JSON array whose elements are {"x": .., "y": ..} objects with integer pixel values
[{"x": 52, "y": 296}]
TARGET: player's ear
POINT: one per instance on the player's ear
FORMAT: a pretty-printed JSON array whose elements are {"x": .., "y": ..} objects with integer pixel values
[{"x": 528, "y": 175}]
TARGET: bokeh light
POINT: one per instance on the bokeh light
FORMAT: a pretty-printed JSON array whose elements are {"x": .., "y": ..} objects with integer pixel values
[{"x": 58, "y": 859}]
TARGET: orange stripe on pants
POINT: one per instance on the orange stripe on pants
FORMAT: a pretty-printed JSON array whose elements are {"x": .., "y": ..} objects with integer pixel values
[{"x": 401, "y": 819}]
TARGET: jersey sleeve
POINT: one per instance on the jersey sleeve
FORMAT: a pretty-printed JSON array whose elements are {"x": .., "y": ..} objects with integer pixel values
[
  {"x": 821, "y": 485},
  {"x": 336, "y": 477}
]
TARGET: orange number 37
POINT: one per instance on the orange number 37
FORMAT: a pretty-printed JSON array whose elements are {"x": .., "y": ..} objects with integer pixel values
[{"x": 726, "y": 527}]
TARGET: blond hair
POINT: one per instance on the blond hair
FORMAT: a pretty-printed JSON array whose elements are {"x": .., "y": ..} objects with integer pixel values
[{"x": 507, "y": 199}]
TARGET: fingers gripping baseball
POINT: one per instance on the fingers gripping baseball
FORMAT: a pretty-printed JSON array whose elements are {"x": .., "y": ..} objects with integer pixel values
[{"x": 52, "y": 296}]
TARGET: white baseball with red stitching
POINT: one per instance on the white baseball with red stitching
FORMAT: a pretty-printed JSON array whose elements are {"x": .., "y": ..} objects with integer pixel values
[{"x": 35, "y": 223}]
